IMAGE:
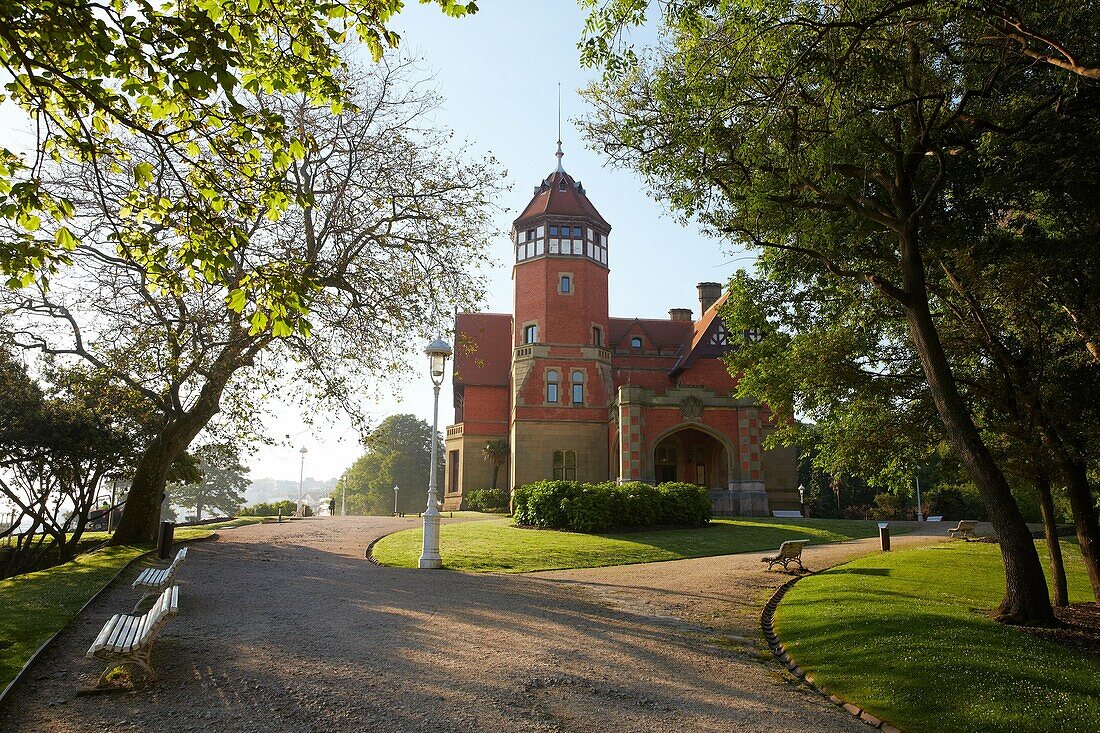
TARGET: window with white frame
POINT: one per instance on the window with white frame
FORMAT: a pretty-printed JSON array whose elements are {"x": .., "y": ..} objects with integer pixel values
[
  {"x": 552, "y": 378},
  {"x": 578, "y": 387}
]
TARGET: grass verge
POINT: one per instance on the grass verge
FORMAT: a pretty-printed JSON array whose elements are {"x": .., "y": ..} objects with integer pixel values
[
  {"x": 908, "y": 636},
  {"x": 499, "y": 546},
  {"x": 37, "y": 605}
]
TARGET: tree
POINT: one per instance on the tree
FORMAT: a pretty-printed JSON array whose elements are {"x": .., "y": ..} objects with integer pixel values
[
  {"x": 828, "y": 136},
  {"x": 184, "y": 77},
  {"x": 56, "y": 448},
  {"x": 398, "y": 453},
  {"x": 221, "y": 481},
  {"x": 496, "y": 453},
  {"x": 378, "y": 198}
]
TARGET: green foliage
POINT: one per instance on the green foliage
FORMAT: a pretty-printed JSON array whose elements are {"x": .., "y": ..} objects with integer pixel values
[
  {"x": 286, "y": 508},
  {"x": 398, "y": 453},
  {"x": 496, "y": 546},
  {"x": 485, "y": 500},
  {"x": 601, "y": 507},
  {"x": 907, "y": 636},
  {"x": 496, "y": 452},
  {"x": 189, "y": 77},
  {"x": 219, "y": 484}
]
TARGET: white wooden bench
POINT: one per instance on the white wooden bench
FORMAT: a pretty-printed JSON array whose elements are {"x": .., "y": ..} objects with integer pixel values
[
  {"x": 935, "y": 518},
  {"x": 964, "y": 530},
  {"x": 155, "y": 580},
  {"x": 786, "y": 514},
  {"x": 128, "y": 638},
  {"x": 790, "y": 551}
]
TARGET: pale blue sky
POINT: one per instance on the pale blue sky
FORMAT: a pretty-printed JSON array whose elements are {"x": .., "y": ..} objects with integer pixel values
[{"x": 497, "y": 72}]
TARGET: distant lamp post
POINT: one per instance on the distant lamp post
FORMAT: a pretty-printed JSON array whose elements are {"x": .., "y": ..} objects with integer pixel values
[
  {"x": 301, "y": 478},
  {"x": 438, "y": 352},
  {"x": 802, "y": 498},
  {"x": 395, "y": 490}
]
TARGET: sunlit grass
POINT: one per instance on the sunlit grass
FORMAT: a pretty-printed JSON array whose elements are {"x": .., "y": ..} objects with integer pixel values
[
  {"x": 908, "y": 636},
  {"x": 499, "y": 546}
]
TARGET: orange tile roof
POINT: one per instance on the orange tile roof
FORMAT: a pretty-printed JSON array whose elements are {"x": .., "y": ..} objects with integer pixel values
[{"x": 549, "y": 199}]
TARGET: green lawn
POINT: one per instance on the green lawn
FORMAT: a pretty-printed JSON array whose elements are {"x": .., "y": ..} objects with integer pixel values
[
  {"x": 907, "y": 636},
  {"x": 499, "y": 546},
  {"x": 37, "y": 605}
]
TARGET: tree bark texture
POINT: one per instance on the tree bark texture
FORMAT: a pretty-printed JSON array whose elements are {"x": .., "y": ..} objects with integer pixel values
[
  {"x": 1054, "y": 546},
  {"x": 1026, "y": 599}
]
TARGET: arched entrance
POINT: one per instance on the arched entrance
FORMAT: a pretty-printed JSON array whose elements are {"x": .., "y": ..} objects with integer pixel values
[{"x": 693, "y": 456}]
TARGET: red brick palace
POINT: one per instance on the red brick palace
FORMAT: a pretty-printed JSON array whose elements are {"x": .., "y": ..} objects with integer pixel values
[{"x": 581, "y": 395}]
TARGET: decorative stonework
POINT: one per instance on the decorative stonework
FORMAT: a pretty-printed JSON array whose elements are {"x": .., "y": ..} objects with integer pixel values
[{"x": 691, "y": 409}]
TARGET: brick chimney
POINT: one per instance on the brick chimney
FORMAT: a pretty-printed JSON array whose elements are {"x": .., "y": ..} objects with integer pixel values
[
  {"x": 708, "y": 293},
  {"x": 679, "y": 314}
]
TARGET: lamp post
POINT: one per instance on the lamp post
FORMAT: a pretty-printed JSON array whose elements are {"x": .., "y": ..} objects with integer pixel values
[
  {"x": 395, "y": 490},
  {"x": 802, "y": 499},
  {"x": 438, "y": 351},
  {"x": 301, "y": 478},
  {"x": 920, "y": 507}
]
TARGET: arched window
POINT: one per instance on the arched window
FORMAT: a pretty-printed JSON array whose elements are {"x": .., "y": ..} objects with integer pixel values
[
  {"x": 552, "y": 385},
  {"x": 636, "y": 342},
  {"x": 578, "y": 387},
  {"x": 566, "y": 284},
  {"x": 565, "y": 465},
  {"x": 531, "y": 334}
]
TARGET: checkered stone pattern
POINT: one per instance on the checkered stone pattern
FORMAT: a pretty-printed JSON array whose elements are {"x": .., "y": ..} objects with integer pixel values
[
  {"x": 748, "y": 424},
  {"x": 630, "y": 439}
]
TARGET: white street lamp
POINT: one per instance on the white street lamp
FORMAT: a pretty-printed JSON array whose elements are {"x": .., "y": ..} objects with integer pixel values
[
  {"x": 301, "y": 478},
  {"x": 802, "y": 499},
  {"x": 438, "y": 351},
  {"x": 395, "y": 490}
]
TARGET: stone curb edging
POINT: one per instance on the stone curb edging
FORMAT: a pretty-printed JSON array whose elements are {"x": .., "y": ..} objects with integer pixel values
[
  {"x": 25, "y": 669},
  {"x": 370, "y": 546},
  {"x": 767, "y": 625}
]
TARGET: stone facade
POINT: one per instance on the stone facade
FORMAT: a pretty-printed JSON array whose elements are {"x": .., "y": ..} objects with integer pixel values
[{"x": 579, "y": 394}]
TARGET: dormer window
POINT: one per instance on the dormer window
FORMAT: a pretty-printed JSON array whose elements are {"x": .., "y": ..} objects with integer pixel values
[
  {"x": 562, "y": 185},
  {"x": 636, "y": 342}
]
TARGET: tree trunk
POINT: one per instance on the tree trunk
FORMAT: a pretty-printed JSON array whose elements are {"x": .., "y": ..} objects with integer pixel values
[
  {"x": 496, "y": 470},
  {"x": 1082, "y": 504},
  {"x": 1026, "y": 599},
  {"x": 141, "y": 512},
  {"x": 1054, "y": 546}
]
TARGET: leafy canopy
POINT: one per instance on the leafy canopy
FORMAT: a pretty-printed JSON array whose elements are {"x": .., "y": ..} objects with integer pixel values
[{"x": 185, "y": 77}]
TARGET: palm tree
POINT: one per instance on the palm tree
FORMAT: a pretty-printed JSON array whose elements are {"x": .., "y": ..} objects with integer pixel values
[{"x": 496, "y": 452}]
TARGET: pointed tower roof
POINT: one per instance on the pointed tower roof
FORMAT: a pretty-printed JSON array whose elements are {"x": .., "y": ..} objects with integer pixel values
[{"x": 560, "y": 194}]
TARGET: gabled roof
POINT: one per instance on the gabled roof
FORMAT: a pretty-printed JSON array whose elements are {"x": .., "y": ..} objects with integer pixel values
[
  {"x": 706, "y": 325},
  {"x": 550, "y": 199},
  {"x": 660, "y": 332},
  {"x": 483, "y": 348}
]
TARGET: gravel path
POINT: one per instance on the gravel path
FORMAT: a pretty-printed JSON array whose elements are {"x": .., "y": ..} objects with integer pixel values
[{"x": 287, "y": 628}]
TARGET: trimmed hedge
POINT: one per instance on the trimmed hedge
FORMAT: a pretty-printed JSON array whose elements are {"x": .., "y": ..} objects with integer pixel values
[
  {"x": 485, "y": 500},
  {"x": 602, "y": 507}
]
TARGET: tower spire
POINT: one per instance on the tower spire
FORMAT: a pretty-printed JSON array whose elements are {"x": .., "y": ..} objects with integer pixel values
[{"x": 559, "y": 154}]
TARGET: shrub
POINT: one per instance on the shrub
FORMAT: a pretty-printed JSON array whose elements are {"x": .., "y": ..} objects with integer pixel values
[
  {"x": 956, "y": 502},
  {"x": 485, "y": 500},
  {"x": 683, "y": 504},
  {"x": 606, "y": 506},
  {"x": 542, "y": 503},
  {"x": 888, "y": 506}
]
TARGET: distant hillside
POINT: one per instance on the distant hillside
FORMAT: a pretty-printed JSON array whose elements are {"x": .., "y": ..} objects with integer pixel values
[{"x": 270, "y": 489}]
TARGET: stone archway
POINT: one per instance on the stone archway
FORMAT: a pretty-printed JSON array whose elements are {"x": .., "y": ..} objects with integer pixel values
[{"x": 693, "y": 455}]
